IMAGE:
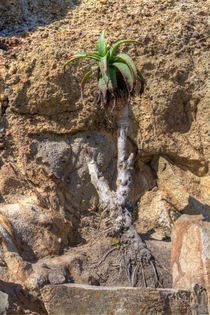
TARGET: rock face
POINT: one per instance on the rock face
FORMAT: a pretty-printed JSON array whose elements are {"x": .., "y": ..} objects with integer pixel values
[
  {"x": 83, "y": 299},
  {"x": 168, "y": 129},
  {"x": 178, "y": 192},
  {"x": 3, "y": 303},
  {"x": 29, "y": 14},
  {"x": 47, "y": 202},
  {"x": 190, "y": 257}
]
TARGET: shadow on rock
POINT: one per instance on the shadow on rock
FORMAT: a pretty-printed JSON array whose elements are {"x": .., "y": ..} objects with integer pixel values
[
  {"x": 22, "y": 16},
  {"x": 20, "y": 299},
  {"x": 196, "y": 207}
]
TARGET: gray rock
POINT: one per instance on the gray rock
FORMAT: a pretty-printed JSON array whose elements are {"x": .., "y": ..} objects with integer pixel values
[
  {"x": 84, "y": 299},
  {"x": 4, "y": 304},
  {"x": 28, "y": 14}
]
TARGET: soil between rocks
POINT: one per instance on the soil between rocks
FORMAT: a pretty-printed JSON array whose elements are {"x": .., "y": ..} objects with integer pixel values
[
  {"x": 87, "y": 269},
  {"x": 108, "y": 271}
]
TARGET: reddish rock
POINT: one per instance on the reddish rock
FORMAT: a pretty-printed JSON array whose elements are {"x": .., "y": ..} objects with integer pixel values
[{"x": 190, "y": 257}]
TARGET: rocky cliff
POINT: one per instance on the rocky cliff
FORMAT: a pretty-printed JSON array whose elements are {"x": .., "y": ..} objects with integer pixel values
[{"x": 47, "y": 201}]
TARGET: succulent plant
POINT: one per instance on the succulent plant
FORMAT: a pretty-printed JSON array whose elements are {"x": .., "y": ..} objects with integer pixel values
[{"x": 116, "y": 72}]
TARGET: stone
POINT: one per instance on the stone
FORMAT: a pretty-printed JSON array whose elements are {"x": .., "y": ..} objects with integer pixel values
[
  {"x": 78, "y": 299},
  {"x": 179, "y": 192},
  {"x": 47, "y": 203},
  {"x": 190, "y": 256},
  {"x": 24, "y": 239},
  {"x": 31, "y": 237},
  {"x": 30, "y": 13},
  {"x": 200, "y": 303},
  {"x": 4, "y": 304},
  {"x": 55, "y": 278}
]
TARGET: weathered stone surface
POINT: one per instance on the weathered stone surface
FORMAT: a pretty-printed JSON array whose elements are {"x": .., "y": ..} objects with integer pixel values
[
  {"x": 29, "y": 232},
  {"x": 200, "y": 303},
  {"x": 3, "y": 303},
  {"x": 179, "y": 191},
  {"x": 83, "y": 299},
  {"x": 44, "y": 125},
  {"x": 28, "y": 14},
  {"x": 35, "y": 231},
  {"x": 46, "y": 107},
  {"x": 190, "y": 257}
]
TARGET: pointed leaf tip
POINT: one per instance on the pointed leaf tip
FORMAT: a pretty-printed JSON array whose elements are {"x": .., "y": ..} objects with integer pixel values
[{"x": 102, "y": 42}]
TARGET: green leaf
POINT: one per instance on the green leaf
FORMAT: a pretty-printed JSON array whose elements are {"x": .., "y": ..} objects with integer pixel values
[
  {"x": 126, "y": 73},
  {"x": 102, "y": 86},
  {"x": 84, "y": 80},
  {"x": 112, "y": 84},
  {"x": 94, "y": 68},
  {"x": 117, "y": 44},
  {"x": 126, "y": 59},
  {"x": 99, "y": 49},
  {"x": 104, "y": 73},
  {"x": 140, "y": 77},
  {"x": 102, "y": 43},
  {"x": 94, "y": 57},
  {"x": 85, "y": 53},
  {"x": 104, "y": 62},
  {"x": 106, "y": 43}
]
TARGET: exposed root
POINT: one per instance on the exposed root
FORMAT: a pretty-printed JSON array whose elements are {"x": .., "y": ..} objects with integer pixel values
[
  {"x": 135, "y": 259},
  {"x": 155, "y": 271},
  {"x": 143, "y": 275},
  {"x": 106, "y": 255},
  {"x": 134, "y": 277}
]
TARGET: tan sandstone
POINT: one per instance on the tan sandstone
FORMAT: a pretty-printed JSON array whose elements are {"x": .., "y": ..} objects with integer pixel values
[{"x": 190, "y": 257}]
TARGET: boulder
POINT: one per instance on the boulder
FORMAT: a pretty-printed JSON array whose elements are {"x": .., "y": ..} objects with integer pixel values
[
  {"x": 77, "y": 299},
  {"x": 178, "y": 192},
  {"x": 28, "y": 233},
  {"x": 190, "y": 256}
]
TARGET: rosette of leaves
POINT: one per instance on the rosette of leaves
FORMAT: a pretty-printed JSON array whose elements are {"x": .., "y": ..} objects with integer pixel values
[{"x": 116, "y": 72}]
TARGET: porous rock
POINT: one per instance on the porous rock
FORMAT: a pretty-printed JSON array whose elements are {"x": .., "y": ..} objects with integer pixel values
[
  {"x": 26, "y": 14},
  {"x": 179, "y": 192},
  {"x": 44, "y": 125}
]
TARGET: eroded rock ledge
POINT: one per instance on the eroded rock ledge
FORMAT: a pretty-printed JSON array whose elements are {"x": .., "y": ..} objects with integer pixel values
[{"x": 84, "y": 299}]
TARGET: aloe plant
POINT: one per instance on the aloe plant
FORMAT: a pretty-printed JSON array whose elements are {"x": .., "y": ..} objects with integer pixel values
[{"x": 115, "y": 71}]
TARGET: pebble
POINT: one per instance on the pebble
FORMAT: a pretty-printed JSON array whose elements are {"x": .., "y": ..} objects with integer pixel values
[
  {"x": 195, "y": 35},
  {"x": 56, "y": 278},
  {"x": 13, "y": 70}
]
